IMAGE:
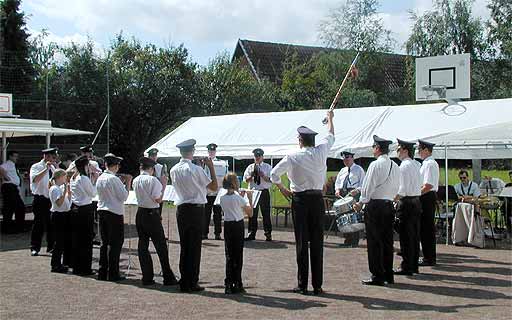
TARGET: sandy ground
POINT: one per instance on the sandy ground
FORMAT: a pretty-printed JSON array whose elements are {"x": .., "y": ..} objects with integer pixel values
[{"x": 467, "y": 283}]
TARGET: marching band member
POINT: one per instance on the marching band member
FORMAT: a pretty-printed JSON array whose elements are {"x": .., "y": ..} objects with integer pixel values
[
  {"x": 349, "y": 182},
  {"x": 149, "y": 192},
  {"x": 467, "y": 190},
  {"x": 234, "y": 206},
  {"x": 40, "y": 174},
  {"x": 408, "y": 208},
  {"x": 211, "y": 195},
  {"x": 257, "y": 175},
  {"x": 12, "y": 202},
  {"x": 112, "y": 194},
  {"x": 60, "y": 197},
  {"x": 377, "y": 193},
  {"x": 430, "y": 183},
  {"x": 159, "y": 172},
  {"x": 190, "y": 183},
  {"x": 306, "y": 170},
  {"x": 82, "y": 192}
]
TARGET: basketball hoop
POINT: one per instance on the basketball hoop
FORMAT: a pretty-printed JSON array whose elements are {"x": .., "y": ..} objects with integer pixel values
[{"x": 429, "y": 90}]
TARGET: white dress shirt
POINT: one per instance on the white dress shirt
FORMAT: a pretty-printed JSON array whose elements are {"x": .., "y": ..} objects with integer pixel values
[
  {"x": 430, "y": 173},
  {"x": 40, "y": 188},
  {"x": 55, "y": 193},
  {"x": 82, "y": 190},
  {"x": 382, "y": 180},
  {"x": 158, "y": 170},
  {"x": 232, "y": 205},
  {"x": 221, "y": 168},
  {"x": 410, "y": 178},
  {"x": 492, "y": 187},
  {"x": 111, "y": 193},
  {"x": 354, "y": 179},
  {"x": 11, "y": 172},
  {"x": 189, "y": 182},
  {"x": 305, "y": 168},
  {"x": 147, "y": 188},
  {"x": 469, "y": 189},
  {"x": 266, "y": 169}
]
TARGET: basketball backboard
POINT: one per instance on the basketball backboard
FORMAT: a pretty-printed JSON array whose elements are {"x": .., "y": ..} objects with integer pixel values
[
  {"x": 443, "y": 77},
  {"x": 5, "y": 104}
]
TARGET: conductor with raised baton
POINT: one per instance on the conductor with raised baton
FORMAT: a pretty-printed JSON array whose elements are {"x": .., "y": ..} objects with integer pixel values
[
  {"x": 306, "y": 170},
  {"x": 191, "y": 183},
  {"x": 377, "y": 194},
  {"x": 212, "y": 194}
]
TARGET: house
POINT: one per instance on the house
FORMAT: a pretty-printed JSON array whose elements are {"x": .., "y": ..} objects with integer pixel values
[{"x": 266, "y": 60}]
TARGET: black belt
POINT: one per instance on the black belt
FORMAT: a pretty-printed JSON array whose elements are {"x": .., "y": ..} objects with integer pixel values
[
  {"x": 194, "y": 205},
  {"x": 410, "y": 198},
  {"x": 308, "y": 193},
  {"x": 41, "y": 196},
  {"x": 150, "y": 210},
  {"x": 381, "y": 200}
]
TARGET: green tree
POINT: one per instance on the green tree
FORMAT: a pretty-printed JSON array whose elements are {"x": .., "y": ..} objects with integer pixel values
[
  {"x": 15, "y": 70},
  {"x": 356, "y": 25},
  {"x": 500, "y": 27}
]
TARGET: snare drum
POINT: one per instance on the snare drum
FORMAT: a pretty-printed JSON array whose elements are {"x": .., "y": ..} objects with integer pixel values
[
  {"x": 351, "y": 222},
  {"x": 344, "y": 205}
]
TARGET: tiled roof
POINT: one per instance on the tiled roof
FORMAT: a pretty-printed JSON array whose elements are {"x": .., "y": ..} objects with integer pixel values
[{"x": 266, "y": 60}]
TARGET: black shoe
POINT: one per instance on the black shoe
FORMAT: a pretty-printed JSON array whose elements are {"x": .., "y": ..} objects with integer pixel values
[
  {"x": 196, "y": 288},
  {"x": 373, "y": 282},
  {"x": 416, "y": 271},
  {"x": 185, "y": 289},
  {"x": 171, "y": 282},
  {"x": 268, "y": 237},
  {"x": 300, "y": 290},
  {"x": 217, "y": 236},
  {"x": 228, "y": 290},
  {"x": 402, "y": 272},
  {"x": 34, "y": 253},
  {"x": 60, "y": 269},
  {"x": 117, "y": 279},
  {"x": 424, "y": 263},
  {"x": 390, "y": 280},
  {"x": 318, "y": 291},
  {"x": 148, "y": 283},
  {"x": 250, "y": 237}
]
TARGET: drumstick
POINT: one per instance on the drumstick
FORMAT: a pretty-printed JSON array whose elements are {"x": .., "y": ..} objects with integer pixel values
[{"x": 337, "y": 96}]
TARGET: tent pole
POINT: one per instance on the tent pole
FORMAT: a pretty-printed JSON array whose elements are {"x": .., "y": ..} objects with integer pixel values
[
  {"x": 446, "y": 188},
  {"x": 234, "y": 169},
  {"x": 272, "y": 198},
  {"x": 48, "y": 140},
  {"x": 4, "y": 147}
]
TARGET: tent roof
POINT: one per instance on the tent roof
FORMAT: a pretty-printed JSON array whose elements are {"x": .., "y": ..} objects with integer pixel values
[
  {"x": 237, "y": 135},
  {"x": 17, "y": 127}
]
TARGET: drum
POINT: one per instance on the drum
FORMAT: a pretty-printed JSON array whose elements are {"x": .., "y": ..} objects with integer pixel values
[
  {"x": 343, "y": 205},
  {"x": 350, "y": 222}
]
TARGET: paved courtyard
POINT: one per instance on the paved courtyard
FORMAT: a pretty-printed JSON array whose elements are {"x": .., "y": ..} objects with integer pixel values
[{"x": 467, "y": 283}]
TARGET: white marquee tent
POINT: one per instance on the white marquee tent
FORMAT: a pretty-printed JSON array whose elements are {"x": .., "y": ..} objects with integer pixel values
[{"x": 480, "y": 123}]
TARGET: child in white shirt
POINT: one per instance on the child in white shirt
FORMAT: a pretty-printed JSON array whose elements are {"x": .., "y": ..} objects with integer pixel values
[
  {"x": 234, "y": 205},
  {"x": 60, "y": 198}
]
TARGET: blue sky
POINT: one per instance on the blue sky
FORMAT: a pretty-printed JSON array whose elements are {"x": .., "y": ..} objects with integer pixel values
[{"x": 205, "y": 27}]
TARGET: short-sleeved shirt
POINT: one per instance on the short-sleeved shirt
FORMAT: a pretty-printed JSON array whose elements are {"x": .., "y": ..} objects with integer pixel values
[
  {"x": 430, "y": 173},
  {"x": 471, "y": 189},
  {"x": 266, "y": 169},
  {"x": 352, "y": 177},
  {"x": 40, "y": 188},
  {"x": 147, "y": 188},
  {"x": 189, "y": 182},
  {"x": 221, "y": 168},
  {"x": 410, "y": 178},
  {"x": 55, "y": 193},
  {"x": 111, "y": 193},
  {"x": 82, "y": 190},
  {"x": 382, "y": 180},
  {"x": 306, "y": 168},
  {"x": 11, "y": 172},
  {"x": 232, "y": 205}
]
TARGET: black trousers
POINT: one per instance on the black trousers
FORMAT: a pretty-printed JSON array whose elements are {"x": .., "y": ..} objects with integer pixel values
[
  {"x": 428, "y": 226},
  {"x": 42, "y": 223},
  {"x": 82, "y": 222},
  {"x": 149, "y": 226},
  {"x": 409, "y": 211},
  {"x": 234, "y": 250},
  {"x": 190, "y": 218},
  {"x": 112, "y": 238},
  {"x": 264, "y": 205},
  {"x": 379, "y": 217},
  {"x": 13, "y": 204},
  {"x": 217, "y": 216},
  {"x": 61, "y": 230},
  {"x": 308, "y": 211}
]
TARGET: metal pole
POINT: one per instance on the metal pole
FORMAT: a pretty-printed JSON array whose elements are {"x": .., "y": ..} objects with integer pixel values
[
  {"x": 234, "y": 169},
  {"x": 446, "y": 188},
  {"x": 4, "y": 147},
  {"x": 48, "y": 140},
  {"x": 46, "y": 95},
  {"x": 273, "y": 193},
  {"x": 108, "y": 107}
]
